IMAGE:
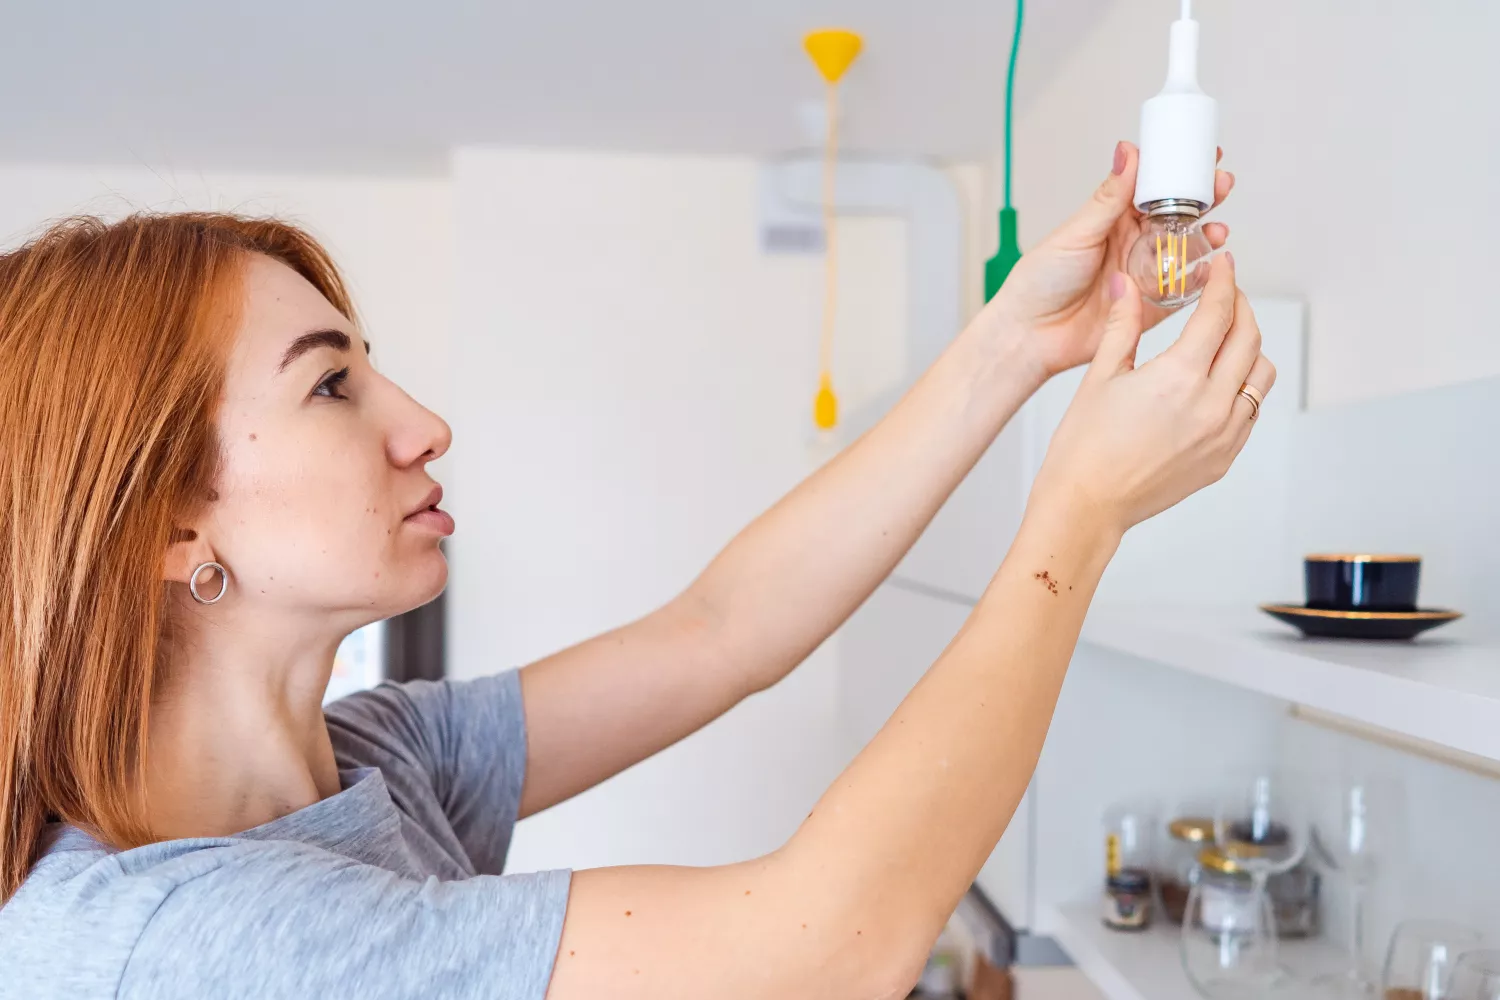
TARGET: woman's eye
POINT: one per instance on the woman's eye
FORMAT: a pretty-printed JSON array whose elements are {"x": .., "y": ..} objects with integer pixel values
[{"x": 333, "y": 384}]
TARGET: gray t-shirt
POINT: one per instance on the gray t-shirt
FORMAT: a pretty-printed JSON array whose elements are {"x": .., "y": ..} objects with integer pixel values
[{"x": 389, "y": 890}]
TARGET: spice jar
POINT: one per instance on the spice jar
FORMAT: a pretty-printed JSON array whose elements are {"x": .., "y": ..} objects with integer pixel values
[
  {"x": 1294, "y": 901},
  {"x": 1228, "y": 898},
  {"x": 1127, "y": 900},
  {"x": 1177, "y": 869},
  {"x": 1127, "y": 868},
  {"x": 1228, "y": 889}
]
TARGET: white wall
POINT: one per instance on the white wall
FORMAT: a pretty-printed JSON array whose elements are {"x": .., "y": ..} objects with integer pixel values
[
  {"x": 1363, "y": 136},
  {"x": 391, "y": 236}
]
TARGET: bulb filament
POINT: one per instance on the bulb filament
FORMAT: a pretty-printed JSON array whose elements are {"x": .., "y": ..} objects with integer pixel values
[{"x": 1171, "y": 266}]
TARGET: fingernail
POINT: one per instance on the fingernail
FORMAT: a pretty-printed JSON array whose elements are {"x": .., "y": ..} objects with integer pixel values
[
  {"x": 1119, "y": 167},
  {"x": 1116, "y": 287},
  {"x": 1230, "y": 174},
  {"x": 1229, "y": 255}
]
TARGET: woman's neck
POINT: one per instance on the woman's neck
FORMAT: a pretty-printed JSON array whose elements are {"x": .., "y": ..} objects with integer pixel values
[{"x": 237, "y": 736}]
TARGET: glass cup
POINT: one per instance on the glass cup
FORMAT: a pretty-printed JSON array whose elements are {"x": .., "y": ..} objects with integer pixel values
[{"x": 1421, "y": 956}]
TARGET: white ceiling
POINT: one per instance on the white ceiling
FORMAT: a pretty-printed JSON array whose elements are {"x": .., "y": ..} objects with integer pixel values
[{"x": 382, "y": 85}]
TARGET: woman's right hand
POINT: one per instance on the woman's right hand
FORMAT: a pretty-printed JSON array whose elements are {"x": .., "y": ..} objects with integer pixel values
[{"x": 1137, "y": 440}]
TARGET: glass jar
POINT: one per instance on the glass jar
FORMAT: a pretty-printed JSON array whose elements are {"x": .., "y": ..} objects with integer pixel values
[
  {"x": 1127, "y": 902},
  {"x": 1293, "y": 895},
  {"x": 1295, "y": 901},
  {"x": 1228, "y": 897},
  {"x": 1177, "y": 869}
]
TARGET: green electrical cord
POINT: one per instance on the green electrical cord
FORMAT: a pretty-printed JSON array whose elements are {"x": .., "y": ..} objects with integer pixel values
[
  {"x": 998, "y": 267},
  {"x": 1010, "y": 91}
]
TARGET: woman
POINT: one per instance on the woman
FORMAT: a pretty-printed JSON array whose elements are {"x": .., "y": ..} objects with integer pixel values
[{"x": 207, "y": 486}]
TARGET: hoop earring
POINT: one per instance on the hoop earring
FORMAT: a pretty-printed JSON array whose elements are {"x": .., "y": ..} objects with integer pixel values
[{"x": 223, "y": 583}]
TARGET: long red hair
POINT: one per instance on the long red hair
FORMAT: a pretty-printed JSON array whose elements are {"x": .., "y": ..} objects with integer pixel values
[{"x": 113, "y": 340}]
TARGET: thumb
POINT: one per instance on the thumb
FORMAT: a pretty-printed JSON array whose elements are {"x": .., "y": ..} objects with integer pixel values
[
  {"x": 1122, "y": 329},
  {"x": 1110, "y": 200}
]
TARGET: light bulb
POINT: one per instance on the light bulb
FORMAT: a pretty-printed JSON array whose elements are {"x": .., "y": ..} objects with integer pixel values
[
  {"x": 1170, "y": 259},
  {"x": 1175, "y": 178}
]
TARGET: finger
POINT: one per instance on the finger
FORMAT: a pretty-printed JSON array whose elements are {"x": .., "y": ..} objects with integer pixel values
[
  {"x": 1111, "y": 200},
  {"x": 1223, "y": 184},
  {"x": 1243, "y": 413},
  {"x": 1217, "y": 234},
  {"x": 1218, "y": 155},
  {"x": 1210, "y": 323},
  {"x": 1241, "y": 348},
  {"x": 1122, "y": 330}
]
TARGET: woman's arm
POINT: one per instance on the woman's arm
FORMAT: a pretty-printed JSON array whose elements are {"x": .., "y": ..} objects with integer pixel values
[
  {"x": 850, "y": 906},
  {"x": 797, "y": 572}
]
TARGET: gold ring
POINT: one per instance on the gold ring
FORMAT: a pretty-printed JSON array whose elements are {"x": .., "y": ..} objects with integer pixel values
[{"x": 1253, "y": 395}]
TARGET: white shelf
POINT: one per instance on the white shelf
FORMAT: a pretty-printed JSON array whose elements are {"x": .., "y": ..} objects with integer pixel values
[
  {"x": 1146, "y": 965},
  {"x": 1445, "y": 690}
]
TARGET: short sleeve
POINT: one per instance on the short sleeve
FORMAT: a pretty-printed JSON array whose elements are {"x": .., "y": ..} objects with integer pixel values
[
  {"x": 468, "y": 738},
  {"x": 284, "y": 921}
]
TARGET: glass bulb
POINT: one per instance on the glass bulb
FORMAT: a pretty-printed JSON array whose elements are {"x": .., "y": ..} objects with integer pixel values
[{"x": 1168, "y": 261}]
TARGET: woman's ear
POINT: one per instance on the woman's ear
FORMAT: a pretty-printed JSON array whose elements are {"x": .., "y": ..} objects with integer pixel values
[{"x": 186, "y": 552}]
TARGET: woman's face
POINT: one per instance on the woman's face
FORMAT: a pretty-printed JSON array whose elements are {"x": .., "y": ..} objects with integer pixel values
[{"x": 324, "y": 503}]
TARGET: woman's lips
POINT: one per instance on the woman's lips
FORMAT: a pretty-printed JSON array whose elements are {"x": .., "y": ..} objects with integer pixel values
[
  {"x": 430, "y": 516},
  {"x": 433, "y": 518}
]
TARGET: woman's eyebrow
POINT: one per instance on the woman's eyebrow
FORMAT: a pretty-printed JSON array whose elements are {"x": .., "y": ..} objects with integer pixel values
[{"x": 311, "y": 341}]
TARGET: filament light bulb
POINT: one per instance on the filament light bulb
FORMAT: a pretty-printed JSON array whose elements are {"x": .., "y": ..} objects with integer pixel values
[
  {"x": 1169, "y": 261},
  {"x": 1175, "y": 182}
]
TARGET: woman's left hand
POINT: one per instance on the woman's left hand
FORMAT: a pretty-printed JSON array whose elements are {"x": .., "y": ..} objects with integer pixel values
[{"x": 1058, "y": 293}]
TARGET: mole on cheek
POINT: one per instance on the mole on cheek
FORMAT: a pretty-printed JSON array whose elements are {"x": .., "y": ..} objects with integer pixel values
[{"x": 252, "y": 437}]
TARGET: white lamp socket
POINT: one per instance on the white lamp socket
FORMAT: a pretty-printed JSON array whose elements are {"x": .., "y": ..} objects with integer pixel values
[{"x": 1179, "y": 131}]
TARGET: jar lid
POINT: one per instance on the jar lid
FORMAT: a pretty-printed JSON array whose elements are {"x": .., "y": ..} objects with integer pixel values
[
  {"x": 1129, "y": 880},
  {"x": 1193, "y": 829},
  {"x": 1246, "y": 833},
  {"x": 1229, "y": 862}
]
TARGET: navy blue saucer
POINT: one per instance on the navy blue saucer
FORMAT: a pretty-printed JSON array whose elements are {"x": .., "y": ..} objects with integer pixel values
[{"x": 1320, "y": 623}]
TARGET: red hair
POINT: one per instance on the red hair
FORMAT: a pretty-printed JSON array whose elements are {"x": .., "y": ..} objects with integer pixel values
[{"x": 113, "y": 340}]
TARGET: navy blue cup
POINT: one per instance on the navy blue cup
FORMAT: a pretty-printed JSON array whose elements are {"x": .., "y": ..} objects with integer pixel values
[{"x": 1362, "y": 582}]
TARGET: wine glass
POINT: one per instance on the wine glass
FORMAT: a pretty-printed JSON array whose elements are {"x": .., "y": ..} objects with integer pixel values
[
  {"x": 1421, "y": 956},
  {"x": 1476, "y": 976},
  {"x": 1229, "y": 941},
  {"x": 1261, "y": 821},
  {"x": 1352, "y": 840}
]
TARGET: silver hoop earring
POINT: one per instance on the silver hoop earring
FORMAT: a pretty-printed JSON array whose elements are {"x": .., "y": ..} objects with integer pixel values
[{"x": 223, "y": 583}]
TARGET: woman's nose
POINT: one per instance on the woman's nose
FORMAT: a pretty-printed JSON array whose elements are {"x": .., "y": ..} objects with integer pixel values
[{"x": 419, "y": 435}]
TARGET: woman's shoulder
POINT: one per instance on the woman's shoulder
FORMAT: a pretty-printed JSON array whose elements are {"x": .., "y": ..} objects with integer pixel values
[{"x": 71, "y": 927}]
